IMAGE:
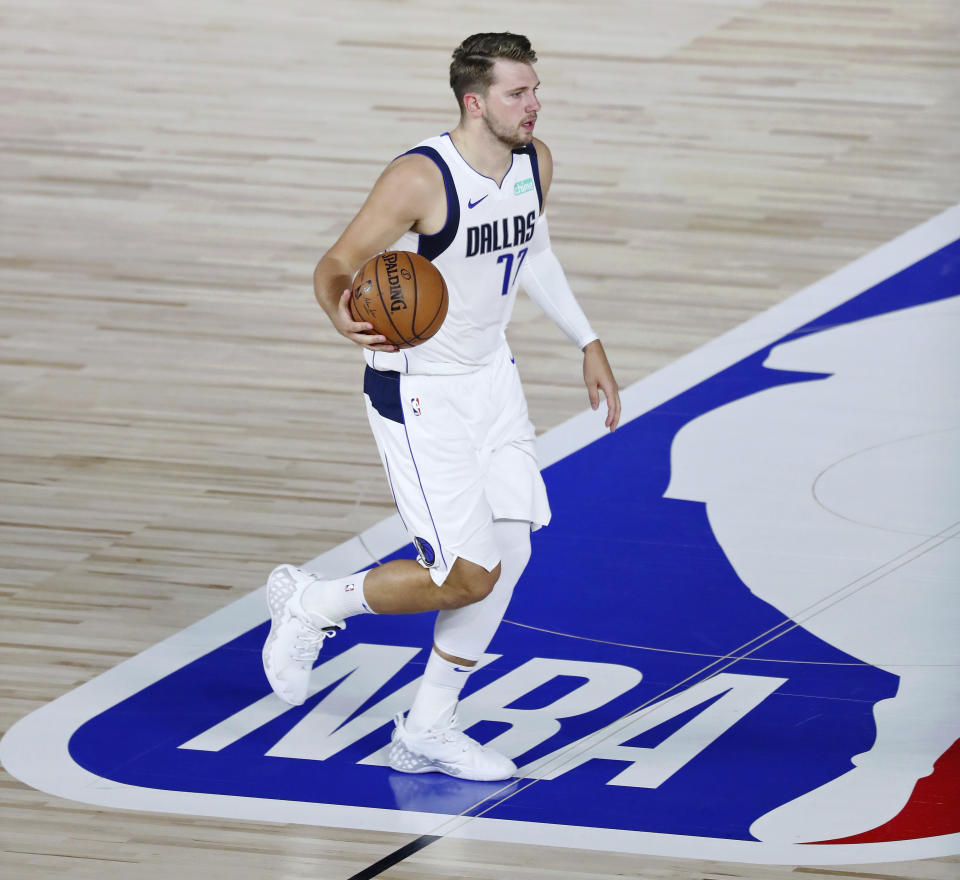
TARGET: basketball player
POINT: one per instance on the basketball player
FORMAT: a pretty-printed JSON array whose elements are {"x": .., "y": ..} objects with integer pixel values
[{"x": 449, "y": 416}]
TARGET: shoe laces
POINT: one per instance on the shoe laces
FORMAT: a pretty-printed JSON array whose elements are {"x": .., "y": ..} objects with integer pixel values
[
  {"x": 452, "y": 734},
  {"x": 309, "y": 637}
]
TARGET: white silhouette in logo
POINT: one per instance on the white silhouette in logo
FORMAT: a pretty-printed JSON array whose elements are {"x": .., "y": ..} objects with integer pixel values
[{"x": 838, "y": 502}]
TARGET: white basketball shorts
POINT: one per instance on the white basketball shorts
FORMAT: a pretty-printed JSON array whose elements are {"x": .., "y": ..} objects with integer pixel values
[{"x": 459, "y": 452}]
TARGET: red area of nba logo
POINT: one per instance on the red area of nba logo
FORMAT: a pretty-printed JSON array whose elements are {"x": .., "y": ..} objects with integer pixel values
[{"x": 932, "y": 809}]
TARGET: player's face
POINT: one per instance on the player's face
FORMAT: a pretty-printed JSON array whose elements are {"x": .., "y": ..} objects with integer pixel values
[{"x": 510, "y": 106}]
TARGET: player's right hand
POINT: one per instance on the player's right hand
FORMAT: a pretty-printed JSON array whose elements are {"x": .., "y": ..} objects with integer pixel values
[{"x": 359, "y": 332}]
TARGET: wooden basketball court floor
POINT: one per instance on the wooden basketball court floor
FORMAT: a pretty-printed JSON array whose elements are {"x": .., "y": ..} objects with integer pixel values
[{"x": 177, "y": 417}]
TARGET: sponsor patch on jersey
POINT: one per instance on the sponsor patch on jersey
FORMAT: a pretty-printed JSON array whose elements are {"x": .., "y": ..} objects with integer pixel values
[{"x": 522, "y": 186}]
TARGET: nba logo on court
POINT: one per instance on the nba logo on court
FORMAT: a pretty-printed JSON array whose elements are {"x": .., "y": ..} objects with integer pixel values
[{"x": 736, "y": 639}]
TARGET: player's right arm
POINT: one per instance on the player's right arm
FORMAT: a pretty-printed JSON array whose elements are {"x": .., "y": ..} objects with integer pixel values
[{"x": 409, "y": 194}]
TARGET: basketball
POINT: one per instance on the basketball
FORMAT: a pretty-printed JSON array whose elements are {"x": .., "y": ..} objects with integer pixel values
[{"x": 403, "y": 295}]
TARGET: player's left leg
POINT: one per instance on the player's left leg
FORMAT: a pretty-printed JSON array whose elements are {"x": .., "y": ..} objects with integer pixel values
[
  {"x": 428, "y": 739},
  {"x": 462, "y": 635},
  {"x": 517, "y": 498}
]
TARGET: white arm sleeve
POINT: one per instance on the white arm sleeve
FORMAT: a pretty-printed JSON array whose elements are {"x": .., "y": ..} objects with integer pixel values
[{"x": 543, "y": 279}]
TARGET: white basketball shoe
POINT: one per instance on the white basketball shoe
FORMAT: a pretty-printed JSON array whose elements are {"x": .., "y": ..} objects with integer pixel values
[
  {"x": 446, "y": 750},
  {"x": 295, "y": 635}
]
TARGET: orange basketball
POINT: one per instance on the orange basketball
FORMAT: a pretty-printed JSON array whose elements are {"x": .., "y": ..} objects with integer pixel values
[{"x": 403, "y": 295}]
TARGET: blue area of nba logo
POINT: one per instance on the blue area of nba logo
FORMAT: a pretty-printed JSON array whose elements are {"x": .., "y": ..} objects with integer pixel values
[{"x": 746, "y": 710}]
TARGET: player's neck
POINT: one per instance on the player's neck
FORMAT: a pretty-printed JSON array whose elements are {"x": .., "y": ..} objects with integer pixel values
[{"x": 482, "y": 151}]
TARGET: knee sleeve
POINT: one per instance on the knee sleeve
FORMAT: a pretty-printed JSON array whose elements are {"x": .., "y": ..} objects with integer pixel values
[{"x": 466, "y": 632}]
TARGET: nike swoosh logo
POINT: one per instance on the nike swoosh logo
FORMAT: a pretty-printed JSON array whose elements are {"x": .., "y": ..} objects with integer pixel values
[{"x": 471, "y": 204}]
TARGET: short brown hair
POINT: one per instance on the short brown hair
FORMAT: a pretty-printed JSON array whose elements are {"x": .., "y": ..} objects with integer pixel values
[{"x": 472, "y": 65}]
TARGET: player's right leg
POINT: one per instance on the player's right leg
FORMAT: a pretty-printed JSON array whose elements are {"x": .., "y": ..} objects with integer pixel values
[
  {"x": 296, "y": 634},
  {"x": 426, "y": 435},
  {"x": 305, "y": 609}
]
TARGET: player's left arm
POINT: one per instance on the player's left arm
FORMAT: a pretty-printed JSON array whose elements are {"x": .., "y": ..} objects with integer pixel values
[{"x": 543, "y": 278}]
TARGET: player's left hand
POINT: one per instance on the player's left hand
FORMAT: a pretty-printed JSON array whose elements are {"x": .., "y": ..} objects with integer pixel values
[
  {"x": 360, "y": 332},
  {"x": 598, "y": 377}
]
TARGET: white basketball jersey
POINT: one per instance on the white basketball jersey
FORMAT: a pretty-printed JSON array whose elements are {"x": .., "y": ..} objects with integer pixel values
[{"x": 479, "y": 251}]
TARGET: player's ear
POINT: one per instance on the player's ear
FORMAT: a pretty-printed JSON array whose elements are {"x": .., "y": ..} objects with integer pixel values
[{"x": 473, "y": 104}]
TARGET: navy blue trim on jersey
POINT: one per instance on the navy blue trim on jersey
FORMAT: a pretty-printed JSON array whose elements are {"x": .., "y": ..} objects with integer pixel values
[
  {"x": 531, "y": 151},
  {"x": 431, "y": 246},
  {"x": 383, "y": 389}
]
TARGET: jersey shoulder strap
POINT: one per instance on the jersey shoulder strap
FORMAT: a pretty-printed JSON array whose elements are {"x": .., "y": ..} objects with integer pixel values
[{"x": 431, "y": 246}]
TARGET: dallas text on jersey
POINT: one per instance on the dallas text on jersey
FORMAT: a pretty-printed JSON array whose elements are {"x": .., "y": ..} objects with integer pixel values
[{"x": 500, "y": 234}]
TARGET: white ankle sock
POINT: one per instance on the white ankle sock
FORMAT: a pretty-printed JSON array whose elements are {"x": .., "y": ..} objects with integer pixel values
[
  {"x": 337, "y": 599},
  {"x": 437, "y": 696}
]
